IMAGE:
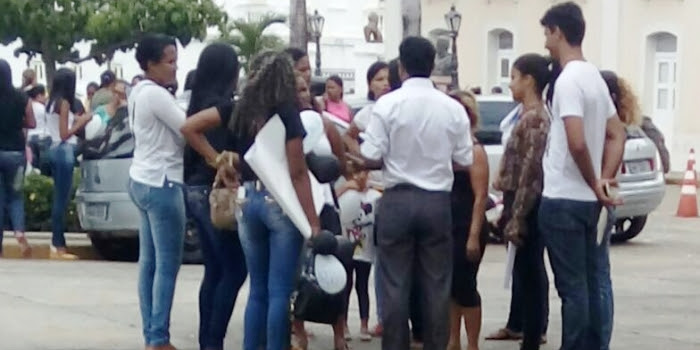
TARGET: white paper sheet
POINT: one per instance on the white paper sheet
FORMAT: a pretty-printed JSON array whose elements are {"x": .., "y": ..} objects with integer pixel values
[
  {"x": 510, "y": 262},
  {"x": 268, "y": 159}
]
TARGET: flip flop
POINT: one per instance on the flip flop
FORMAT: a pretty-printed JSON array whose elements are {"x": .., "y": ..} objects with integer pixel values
[{"x": 505, "y": 334}]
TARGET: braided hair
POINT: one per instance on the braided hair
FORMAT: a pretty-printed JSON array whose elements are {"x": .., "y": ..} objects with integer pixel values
[{"x": 271, "y": 82}]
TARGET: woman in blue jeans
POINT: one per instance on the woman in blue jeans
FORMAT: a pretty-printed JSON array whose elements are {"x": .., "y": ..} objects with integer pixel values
[
  {"x": 224, "y": 265},
  {"x": 63, "y": 123},
  {"x": 156, "y": 185},
  {"x": 17, "y": 113},
  {"x": 271, "y": 242}
]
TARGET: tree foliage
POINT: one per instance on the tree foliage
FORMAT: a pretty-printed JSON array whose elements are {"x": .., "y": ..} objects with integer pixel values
[
  {"x": 52, "y": 27},
  {"x": 249, "y": 38}
]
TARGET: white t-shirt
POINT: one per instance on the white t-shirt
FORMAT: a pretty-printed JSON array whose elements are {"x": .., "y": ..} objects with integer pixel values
[
  {"x": 357, "y": 210},
  {"x": 40, "y": 116},
  {"x": 580, "y": 92},
  {"x": 155, "y": 120},
  {"x": 361, "y": 120}
]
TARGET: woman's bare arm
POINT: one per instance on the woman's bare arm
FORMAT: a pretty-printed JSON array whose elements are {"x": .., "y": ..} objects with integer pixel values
[
  {"x": 194, "y": 129},
  {"x": 29, "y": 117}
]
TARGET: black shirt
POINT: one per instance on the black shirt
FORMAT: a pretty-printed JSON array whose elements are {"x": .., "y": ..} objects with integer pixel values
[
  {"x": 197, "y": 171},
  {"x": 12, "y": 107},
  {"x": 289, "y": 114}
]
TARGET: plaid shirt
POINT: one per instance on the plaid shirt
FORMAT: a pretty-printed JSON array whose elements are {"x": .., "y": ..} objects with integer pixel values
[{"x": 521, "y": 167}]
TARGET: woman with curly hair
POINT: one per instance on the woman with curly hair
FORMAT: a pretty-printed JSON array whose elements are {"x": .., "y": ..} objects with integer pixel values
[
  {"x": 629, "y": 113},
  {"x": 271, "y": 243}
]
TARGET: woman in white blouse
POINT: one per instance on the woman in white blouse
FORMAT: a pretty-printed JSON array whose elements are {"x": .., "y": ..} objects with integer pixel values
[{"x": 156, "y": 185}]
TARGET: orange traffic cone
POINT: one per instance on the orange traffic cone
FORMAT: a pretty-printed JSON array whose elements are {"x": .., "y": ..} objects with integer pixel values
[{"x": 688, "y": 203}]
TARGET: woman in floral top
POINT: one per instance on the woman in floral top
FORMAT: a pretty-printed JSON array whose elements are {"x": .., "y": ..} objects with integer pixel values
[{"x": 521, "y": 180}]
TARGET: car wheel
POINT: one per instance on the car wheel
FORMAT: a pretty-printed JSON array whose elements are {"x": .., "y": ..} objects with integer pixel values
[
  {"x": 117, "y": 248},
  {"x": 192, "y": 253},
  {"x": 627, "y": 228}
]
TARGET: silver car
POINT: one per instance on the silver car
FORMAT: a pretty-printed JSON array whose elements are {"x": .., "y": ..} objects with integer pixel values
[{"x": 641, "y": 180}]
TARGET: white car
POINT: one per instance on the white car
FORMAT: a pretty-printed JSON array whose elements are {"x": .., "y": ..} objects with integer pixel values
[{"x": 641, "y": 179}]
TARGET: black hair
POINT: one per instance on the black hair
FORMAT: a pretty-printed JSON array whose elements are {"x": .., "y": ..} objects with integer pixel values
[
  {"x": 394, "y": 75},
  {"x": 191, "y": 76},
  {"x": 338, "y": 80},
  {"x": 107, "y": 78},
  {"x": 372, "y": 71},
  {"x": 417, "y": 55},
  {"x": 296, "y": 53},
  {"x": 536, "y": 66},
  {"x": 216, "y": 77},
  {"x": 6, "y": 86},
  {"x": 36, "y": 91},
  {"x": 568, "y": 17},
  {"x": 151, "y": 47},
  {"x": 556, "y": 70},
  {"x": 63, "y": 89},
  {"x": 271, "y": 82},
  {"x": 93, "y": 85}
]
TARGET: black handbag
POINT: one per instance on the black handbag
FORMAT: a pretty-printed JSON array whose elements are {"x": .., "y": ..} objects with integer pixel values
[
  {"x": 313, "y": 304},
  {"x": 325, "y": 169}
]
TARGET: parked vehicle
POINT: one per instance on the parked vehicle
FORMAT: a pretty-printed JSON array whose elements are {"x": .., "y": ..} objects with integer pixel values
[{"x": 104, "y": 208}]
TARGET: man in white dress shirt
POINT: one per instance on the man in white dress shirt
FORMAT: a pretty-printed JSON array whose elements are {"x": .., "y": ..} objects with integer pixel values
[{"x": 415, "y": 135}]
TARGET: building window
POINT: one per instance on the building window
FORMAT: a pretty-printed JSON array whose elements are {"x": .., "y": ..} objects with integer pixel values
[
  {"x": 118, "y": 70},
  {"x": 38, "y": 67},
  {"x": 500, "y": 58}
]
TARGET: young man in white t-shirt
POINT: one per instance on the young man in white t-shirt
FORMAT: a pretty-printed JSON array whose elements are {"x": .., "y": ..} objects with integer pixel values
[{"x": 583, "y": 154}]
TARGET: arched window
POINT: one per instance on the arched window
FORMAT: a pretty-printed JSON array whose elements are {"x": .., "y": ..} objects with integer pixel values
[
  {"x": 661, "y": 76},
  {"x": 500, "y": 58}
]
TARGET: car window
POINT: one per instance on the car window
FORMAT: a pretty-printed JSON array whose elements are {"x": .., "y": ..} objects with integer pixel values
[{"x": 492, "y": 113}]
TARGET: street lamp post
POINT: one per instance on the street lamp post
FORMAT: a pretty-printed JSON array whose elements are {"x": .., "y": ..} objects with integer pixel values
[
  {"x": 454, "y": 21},
  {"x": 316, "y": 22}
]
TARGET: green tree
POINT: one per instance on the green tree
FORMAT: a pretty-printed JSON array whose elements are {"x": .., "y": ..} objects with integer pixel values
[
  {"x": 249, "y": 38},
  {"x": 51, "y": 28}
]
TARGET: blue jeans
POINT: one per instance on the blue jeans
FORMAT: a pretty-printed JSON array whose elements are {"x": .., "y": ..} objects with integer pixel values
[
  {"x": 12, "y": 165},
  {"x": 570, "y": 230},
  {"x": 161, "y": 238},
  {"x": 62, "y": 158},
  {"x": 272, "y": 247},
  {"x": 224, "y": 270},
  {"x": 607, "y": 301}
]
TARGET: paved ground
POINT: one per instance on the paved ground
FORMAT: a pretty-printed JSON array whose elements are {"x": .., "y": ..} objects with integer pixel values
[{"x": 93, "y": 304}]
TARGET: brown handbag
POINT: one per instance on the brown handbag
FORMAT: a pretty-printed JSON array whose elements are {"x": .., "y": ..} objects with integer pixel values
[{"x": 223, "y": 201}]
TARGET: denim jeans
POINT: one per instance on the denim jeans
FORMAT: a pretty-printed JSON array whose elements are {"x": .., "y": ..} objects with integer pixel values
[
  {"x": 161, "y": 239},
  {"x": 607, "y": 311},
  {"x": 224, "y": 270},
  {"x": 40, "y": 146},
  {"x": 62, "y": 158},
  {"x": 570, "y": 230},
  {"x": 272, "y": 247},
  {"x": 12, "y": 165}
]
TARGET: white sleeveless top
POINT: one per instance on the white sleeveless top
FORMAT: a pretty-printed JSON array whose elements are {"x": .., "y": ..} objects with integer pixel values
[{"x": 52, "y": 121}]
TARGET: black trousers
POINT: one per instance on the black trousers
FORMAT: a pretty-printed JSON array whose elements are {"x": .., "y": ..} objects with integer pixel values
[
  {"x": 529, "y": 306},
  {"x": 360, "y": 270},
  {"x": 415, "y": 244}
]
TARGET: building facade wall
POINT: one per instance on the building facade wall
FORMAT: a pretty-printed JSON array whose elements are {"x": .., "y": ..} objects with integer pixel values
[{"x": 618, "y": 37}]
